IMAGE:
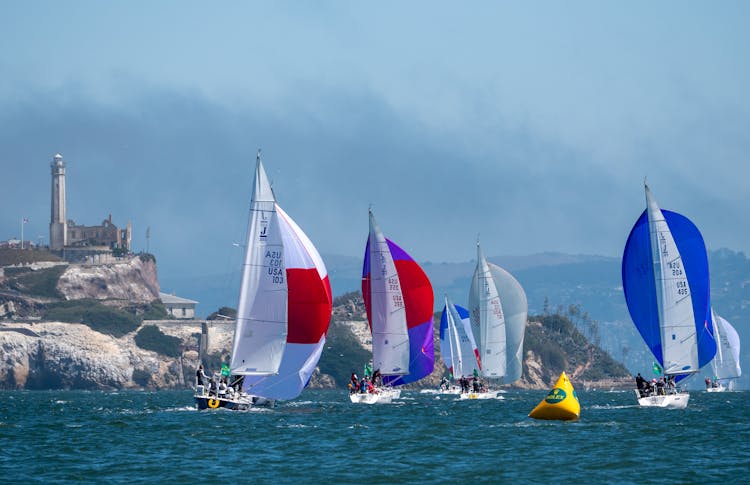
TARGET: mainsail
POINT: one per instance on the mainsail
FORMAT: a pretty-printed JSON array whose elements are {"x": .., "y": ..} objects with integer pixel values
[
  {"x": 487, "y": 319},
  {"x": 287, "y": 280},
  {"x": 498, "y": 309},
  {"x": 399, "y": 300},
  {"x": 260, "y": 333},
  {"x": 666, "y": 284},
  {"x": 457, "y": 346}
]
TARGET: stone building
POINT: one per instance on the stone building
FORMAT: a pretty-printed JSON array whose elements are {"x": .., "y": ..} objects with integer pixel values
[
  {"x": 179, "y": 308},
  {"x": 106, "y": 234}
]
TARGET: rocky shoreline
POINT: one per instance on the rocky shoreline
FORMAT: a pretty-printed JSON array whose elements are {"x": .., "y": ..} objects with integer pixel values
[{"x": 57, "y": 355}]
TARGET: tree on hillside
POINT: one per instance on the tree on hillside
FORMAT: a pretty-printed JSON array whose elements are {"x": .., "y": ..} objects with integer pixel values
[{"x": 223, "y": 313}]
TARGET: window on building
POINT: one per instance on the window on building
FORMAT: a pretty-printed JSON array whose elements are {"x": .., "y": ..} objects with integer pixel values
[{"x": 184, "y": 311}]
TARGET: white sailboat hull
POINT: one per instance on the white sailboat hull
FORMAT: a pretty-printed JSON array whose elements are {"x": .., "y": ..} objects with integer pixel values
[
  {"x": 719, "y": 388},
  {"x": 382, "y": 395},
  {"x": 453, "y": 391},
  {"x": 673, "y": 401},
  {"x": 480, "y": 395}
]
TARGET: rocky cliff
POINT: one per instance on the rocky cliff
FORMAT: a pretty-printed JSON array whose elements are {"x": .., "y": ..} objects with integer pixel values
[
  {"x": 134, "y": 280},
  {"x": 53, "y": 355},
  {"x": 56, "y": 355}
]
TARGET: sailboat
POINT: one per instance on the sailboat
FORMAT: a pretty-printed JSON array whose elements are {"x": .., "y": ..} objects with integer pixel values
[
  {"x": 726, "y": 362},
  {"x": 283, "y": 312},
  {"x": 399, "y": 302},
  {"x": 498, "y": 309},
  {"x": 457, "y": 345},
  {"x": 666, "y": 285}
]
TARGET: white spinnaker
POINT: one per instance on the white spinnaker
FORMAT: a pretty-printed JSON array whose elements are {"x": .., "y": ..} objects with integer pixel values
[
  {"x": 299, "y": 359},
  {"x": 676, "y": 318},
  {"x": 727, "y": 359},
  {"x": 260, "y": 333},
  {"x": 718, "y": 360},
  {"x": 390, "y": 338},
  {"x": 488, "y": 320},
  {"x": 515, "y": 308}
]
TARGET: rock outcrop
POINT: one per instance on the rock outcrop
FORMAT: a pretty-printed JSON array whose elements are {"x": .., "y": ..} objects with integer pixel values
[
  {"x": 53, "y": 355},
  {"x": 134, "y": 280}
]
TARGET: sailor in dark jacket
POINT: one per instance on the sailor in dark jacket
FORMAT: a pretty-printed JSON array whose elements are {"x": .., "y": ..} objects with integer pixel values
[{"x": 200, "y": 376}]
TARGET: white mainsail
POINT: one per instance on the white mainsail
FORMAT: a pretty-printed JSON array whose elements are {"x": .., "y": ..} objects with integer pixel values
[
  {"x": 676, "y": 318},
  {"x": 390, "y": 338},
  {"x": 726, "y": 363},
  {"x": 488, "y": 320},
  {"x": 261, "y": 330}
]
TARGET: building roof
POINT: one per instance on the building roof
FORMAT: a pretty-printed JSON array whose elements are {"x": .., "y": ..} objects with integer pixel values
[{"x": 170, "y": 299}]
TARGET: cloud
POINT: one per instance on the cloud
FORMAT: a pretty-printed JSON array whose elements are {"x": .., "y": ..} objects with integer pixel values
[{"x": 181, "y": 163}]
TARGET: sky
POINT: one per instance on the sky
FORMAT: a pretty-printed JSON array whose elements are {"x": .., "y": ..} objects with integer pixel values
[{"x": 529, "y": 124}]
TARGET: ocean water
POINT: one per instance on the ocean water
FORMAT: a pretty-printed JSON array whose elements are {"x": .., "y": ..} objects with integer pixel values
[{"x": 159, "y": 437}]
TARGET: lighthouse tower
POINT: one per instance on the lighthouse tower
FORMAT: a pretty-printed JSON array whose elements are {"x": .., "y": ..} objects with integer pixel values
[{"x": 58, "y": 226}]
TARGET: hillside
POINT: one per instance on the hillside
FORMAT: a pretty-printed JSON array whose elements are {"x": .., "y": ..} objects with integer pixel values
[{"x": 30, "y": 290}]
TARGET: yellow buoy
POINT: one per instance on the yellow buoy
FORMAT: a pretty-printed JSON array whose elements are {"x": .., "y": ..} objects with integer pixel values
[{"x": 561, "y": 402}]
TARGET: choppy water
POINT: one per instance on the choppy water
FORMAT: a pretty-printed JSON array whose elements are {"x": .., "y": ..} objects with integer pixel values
[{"x": 152, "y": 437}]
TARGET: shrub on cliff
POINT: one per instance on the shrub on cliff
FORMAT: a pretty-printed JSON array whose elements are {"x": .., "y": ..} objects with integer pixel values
[
  {"x": 103, "y": 319},
  {"x": 146, "y": 257},
  {"x": 149, "y": 337},
  {"x": 155, "y": 311},
  {"x": 223, "y": 313},
  {"x": 39, "y": 283},
  {"x": 343, "y": 353}
]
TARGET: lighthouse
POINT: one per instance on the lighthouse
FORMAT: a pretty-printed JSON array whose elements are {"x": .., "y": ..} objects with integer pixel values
[{"x": 58, "y": 226}]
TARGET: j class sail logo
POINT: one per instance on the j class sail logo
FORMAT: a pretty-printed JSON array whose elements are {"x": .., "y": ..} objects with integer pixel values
[
  {"x": 263, "y": 226},
  {"x": 555, "y": 396},
  {"x": 663, "y": 245}
]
